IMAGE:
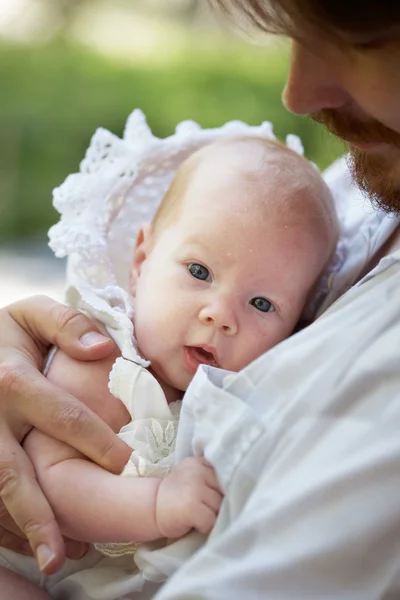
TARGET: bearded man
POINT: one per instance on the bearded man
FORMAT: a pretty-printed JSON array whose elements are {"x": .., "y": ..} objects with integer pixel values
[{"x": 310, "y": 463}]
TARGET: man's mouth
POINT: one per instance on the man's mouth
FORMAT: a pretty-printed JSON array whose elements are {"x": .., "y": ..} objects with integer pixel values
[
  {"x": 361, "y": 145},
  {"x": 363, "y": 134},
  {"x": 366, "y": 146},
  {"x": 200, "y": 355}
]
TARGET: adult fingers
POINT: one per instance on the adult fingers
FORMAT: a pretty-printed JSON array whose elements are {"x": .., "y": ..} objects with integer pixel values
[
  {"x": 14, "y": 542},
  {"x": 20, "y": 545},
  {"x": 49, "y": 322},
  {"x": 8, "y": 526},
  {"x": 34, "y": 518},
  {"x": 65, "y": 418},
  {"x": 12, "y": 538}
]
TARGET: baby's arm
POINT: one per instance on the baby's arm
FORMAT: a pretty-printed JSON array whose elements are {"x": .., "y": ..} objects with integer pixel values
[{"x": 92, "y": 504}]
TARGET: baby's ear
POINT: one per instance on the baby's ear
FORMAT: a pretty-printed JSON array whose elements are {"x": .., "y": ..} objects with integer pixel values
[{"x": 142, "y": 249}]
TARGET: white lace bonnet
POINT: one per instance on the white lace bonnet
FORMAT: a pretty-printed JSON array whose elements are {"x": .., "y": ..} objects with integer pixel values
[{"x": 119, "y": 187}]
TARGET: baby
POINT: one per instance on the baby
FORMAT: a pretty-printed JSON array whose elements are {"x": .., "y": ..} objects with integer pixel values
[{"x": 221, "y": 275}]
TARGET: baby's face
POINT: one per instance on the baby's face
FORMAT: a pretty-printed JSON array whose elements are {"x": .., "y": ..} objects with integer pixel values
[{"x": 223, "y": 283}]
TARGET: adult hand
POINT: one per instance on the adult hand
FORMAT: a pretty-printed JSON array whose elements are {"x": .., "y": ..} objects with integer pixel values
[{"x": 27, "y": 399}]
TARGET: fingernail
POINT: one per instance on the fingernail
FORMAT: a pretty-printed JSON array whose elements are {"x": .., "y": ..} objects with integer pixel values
[
  {"x": 75, "y": 550},
  {"x": 44, "y": 556},
  {"x": 93, "y": 338}
]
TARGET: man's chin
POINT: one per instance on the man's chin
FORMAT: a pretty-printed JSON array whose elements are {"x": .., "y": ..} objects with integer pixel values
[{"x": 378, "y": 175}]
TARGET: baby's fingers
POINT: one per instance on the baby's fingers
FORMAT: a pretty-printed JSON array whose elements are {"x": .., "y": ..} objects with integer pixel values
[
  {"x": 204, "y": 519},
  {"x": 208, "y": 509},
  {"x": 210, "y": 476},
  {"x": 212, "y": 499}
]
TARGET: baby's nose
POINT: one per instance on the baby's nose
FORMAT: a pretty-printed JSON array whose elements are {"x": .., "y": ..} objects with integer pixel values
[{"x": 219, "y": 315}]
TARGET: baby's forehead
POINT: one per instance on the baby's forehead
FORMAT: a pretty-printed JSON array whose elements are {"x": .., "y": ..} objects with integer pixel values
[
  {"x": 256, "y": 167},
  {"x": 246, "y": 152},
  {"x": 255, "y": 159}
]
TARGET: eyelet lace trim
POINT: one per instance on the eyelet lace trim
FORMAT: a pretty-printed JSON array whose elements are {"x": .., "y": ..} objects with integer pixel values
[{"x": 119, "y": 187}]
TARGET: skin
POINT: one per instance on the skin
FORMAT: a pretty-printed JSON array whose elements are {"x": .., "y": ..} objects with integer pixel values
[
  {"x": 11, "y": 582},
  {"x": 274, "y": 251},
  {"x": 28, "y": 328},
  {"x": 358, "y": 80}
]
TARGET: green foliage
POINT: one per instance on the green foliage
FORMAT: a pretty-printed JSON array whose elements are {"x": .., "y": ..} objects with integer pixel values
[{"x": 54, "y": 97}]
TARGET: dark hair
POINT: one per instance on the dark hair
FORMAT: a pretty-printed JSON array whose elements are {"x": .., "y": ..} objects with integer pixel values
[{"x": 292, "y": 17}]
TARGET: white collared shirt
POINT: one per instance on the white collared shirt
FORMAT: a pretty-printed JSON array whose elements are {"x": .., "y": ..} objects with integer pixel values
[{"x": 306, "y": 445}]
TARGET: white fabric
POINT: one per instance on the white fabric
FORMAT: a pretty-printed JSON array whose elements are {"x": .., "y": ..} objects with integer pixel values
[
  {"x": 363, "y": 230},
  {"x": 119, "y": 187},
  {"x": 306, "y": 444},
  {"x": 94, "y": 577},
  {"x": 112, "y": 308},
  {"x": 152, "y": 431}
]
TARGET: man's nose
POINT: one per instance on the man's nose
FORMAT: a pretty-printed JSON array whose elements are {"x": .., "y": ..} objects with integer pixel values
[
  {"x": 312, "y": 83},
  {"x": 219, "y": 314}
]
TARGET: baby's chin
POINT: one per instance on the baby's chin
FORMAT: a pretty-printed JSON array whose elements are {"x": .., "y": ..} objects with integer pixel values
[
  {"x": 173, "y": 388},
  {"x": 172, "y": 393}
]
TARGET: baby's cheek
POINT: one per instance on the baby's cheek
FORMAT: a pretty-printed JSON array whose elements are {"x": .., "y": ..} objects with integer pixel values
[
  {"x": 151, "y": 333},
  {"x": 143, "y": 332},
  {"x": 264, "y": 339}
]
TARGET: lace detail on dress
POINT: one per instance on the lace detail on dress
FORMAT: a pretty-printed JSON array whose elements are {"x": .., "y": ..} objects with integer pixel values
[
  {"x": 115, "y": 550},
  {"x": 154, "y": 454}
]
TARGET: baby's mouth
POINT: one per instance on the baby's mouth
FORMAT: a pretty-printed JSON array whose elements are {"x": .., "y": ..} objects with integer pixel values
[{"x": 200, "y": 355}]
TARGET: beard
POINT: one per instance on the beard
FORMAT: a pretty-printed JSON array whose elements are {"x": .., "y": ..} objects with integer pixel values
[{"x": 377, "y": 173}]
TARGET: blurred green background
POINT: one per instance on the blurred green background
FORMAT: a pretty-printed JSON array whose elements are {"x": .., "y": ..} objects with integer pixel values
[{"x": 69, "y": 66}]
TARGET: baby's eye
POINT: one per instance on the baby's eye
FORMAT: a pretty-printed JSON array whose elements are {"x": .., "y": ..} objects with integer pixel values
[
  {"x": 262, "y": 304},
  {"x": 199, "y": 272}
]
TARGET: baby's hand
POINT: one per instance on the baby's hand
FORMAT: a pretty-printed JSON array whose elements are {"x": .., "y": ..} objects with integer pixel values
[{"x": 188, "y": 498}]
